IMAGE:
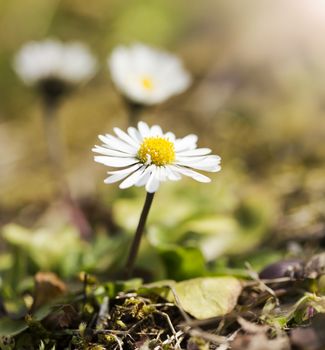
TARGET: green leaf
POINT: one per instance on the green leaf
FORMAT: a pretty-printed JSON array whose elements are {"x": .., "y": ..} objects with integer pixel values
[
  {"x": 9, "y": 327},
  {"x": 43, "y": 312},
  {"x": 215, "y": 235},
  {"x": 38, "y": 246},
  {"x": 182, "y": 262},
  {"x": 208, "y": 297}
]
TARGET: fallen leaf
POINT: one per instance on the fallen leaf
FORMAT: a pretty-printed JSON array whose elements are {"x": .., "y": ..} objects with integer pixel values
[
  {"x": 208, "y": 297},
  {"x": 48, "y": 287}
]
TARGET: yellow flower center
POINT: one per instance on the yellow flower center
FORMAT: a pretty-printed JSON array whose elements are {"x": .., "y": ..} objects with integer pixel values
[
  {"x": 156, "y": 150},
  {"x": 147, "y": 83}
]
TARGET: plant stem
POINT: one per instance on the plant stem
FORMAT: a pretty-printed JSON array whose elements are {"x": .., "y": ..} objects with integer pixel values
[
  {"x": 54, "y": 144},
  {"x": 55, "y": 150},
  {"x": 134, "y": 111},
  {"x": 138, "y": 234}
]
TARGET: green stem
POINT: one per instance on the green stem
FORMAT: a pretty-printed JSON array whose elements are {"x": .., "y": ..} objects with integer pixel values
[
  {"x": 138, "y": 234},
  {"x": 54, "y": 145},
  {"x": 55, "y": 150},
  {"x": 134, "y": 112}
]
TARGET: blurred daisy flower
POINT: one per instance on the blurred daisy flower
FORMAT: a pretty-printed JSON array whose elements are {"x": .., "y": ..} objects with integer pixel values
[
  {"x": 148, "y": 156},
  {"x": 146, "y": 75},
  {"x": 53, "y": 66}
]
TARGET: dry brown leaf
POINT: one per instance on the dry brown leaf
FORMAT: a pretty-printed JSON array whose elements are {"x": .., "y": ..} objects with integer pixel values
[{"x": 48, "y": 286}]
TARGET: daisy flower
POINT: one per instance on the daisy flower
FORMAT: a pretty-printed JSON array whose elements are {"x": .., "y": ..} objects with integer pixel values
[
  {"x": 53, "y": 68},
  {"x": 148, "y": 157},
  {"x": 53, "y": 60},
  {"x": 146, "y": 75}
]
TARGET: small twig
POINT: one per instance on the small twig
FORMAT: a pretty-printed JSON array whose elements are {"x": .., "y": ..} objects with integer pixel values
[
  {"x": 199, "y": 323},
  {"x": 103, "y": 311},
  {"x": 188, "y": 321},
  {"x": 263, "y": 286},
  {"x": 162, "y": 304},
  {"x": 178, "y": 337},
  {"x": 136, "y": 325},
  {"x": 163, "y": 314},
  {"x": 118, "y": 341},
  {"x": 207, "y": 336},
  {"x": 178, "y": 304},
  {"x": 269, "y": 281},
  {"x": 109, "y": 331},
  {"x": 220, "y": 325},
  {"x": 159, "y": 334},
  {"x": 155, "y": 334}
]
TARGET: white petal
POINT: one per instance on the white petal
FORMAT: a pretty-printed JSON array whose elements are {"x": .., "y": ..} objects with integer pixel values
[
  {"x": 125, "y": 137},
  {"x": 208, "y": 163},
  {"x": 115, "y": 161},
  {"x": 188, "y": 161},
  {"x": 195, "y": 152},
  {"x": 109, "y": 152},
  {"x": 132, "y": 179},
  {"x": 134, "y": 133},
  {"x": 117, "y": 144},
  {"x": 211, "y": 169},
  {"x": 172, "y": 175},
  {"x": 153, "y": 182},
  {"x": 145, "y": 176},
  {"x": 186, "y": 143},
  {"x": 162, "y": 173},
  {"x": 191, "y": 173},
  {"x": 156, "y": 131},
  {"x": 158, "y": 172},
  {"x": 126, "y": 170},
  {"x": 170, "y": 136},
  {"x": 118, "y": 175},
  {"x": 143, "y": 129},
  {"x": 115, "y": 178}
]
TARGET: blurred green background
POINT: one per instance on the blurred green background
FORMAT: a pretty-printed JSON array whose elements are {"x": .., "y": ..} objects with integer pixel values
[{"x": 257, "y": 100}]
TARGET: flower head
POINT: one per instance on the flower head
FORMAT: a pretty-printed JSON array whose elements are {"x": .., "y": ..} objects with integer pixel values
[
  {"x": 146, "y": 75},
  {"x": 53, "y": 60},
  {"x": 148, "y": 156}
]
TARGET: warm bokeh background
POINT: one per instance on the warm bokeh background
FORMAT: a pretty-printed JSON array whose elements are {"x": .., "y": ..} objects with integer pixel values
[{"x": 257, "y": 100}]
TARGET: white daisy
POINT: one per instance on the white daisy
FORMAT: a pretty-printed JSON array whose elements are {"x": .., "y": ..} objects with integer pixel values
[
  {"x": 148, "y": 156},
  {"x": 52, "y": 59},
  {"x": 146, "y": 75}
]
